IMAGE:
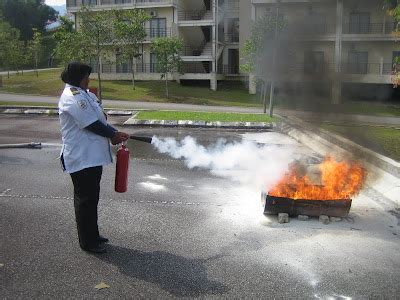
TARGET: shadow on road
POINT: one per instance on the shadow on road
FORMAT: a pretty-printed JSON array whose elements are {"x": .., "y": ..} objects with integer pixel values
[{"x": 180, "y": 276}]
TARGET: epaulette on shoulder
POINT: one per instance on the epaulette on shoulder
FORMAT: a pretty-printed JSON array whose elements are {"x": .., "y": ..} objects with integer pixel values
[{"x": 75, "y": 91}]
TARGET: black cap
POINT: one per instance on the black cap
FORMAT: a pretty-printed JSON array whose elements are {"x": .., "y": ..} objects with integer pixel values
[{"x": 75, "y": 72}]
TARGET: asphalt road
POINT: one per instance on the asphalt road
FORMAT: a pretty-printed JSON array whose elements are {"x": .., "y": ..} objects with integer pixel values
[{"x": 178, "y": 232}]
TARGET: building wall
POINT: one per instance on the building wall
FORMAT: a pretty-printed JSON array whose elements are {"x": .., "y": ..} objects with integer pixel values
[{"x": 377, "y": 42}]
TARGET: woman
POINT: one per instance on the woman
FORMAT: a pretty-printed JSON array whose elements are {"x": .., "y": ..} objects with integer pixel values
[{"x": 86, "y": 149}]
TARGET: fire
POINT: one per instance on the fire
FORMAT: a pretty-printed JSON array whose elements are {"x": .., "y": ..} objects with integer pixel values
[{"x": 339, "y": 180}]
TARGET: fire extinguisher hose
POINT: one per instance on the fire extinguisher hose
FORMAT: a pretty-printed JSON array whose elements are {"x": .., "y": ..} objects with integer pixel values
[{"x": 144, "y": 139}]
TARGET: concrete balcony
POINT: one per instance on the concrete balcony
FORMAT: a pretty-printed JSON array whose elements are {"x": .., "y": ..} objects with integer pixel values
[
  {"x": 351, "y": 32},
  {"x": 153, "y": 33},
  {"x": 122, "y": 71},
  {"x": 231, "y": 70},
  {"x": 75, "y": 5},
  {"x": 350, "y": 72},
  {"x": 231, "y": 38},
  {"x": 369, "y": 31}
]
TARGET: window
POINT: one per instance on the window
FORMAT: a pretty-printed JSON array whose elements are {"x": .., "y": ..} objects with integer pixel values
[
  {"x": 396, "y": 57},
  {"x": 357, "y": 62},
  {"x": 313, "y": 62},
  {"x": 153, "y": 63},
  {"x": 316, "y": 23},
  {"x": 89, "y": 2},
  {"x": 158, "y": 27},
  {"x": 359, "y": 23}
]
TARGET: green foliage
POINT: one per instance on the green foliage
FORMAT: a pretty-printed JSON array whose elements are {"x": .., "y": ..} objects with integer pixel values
[
  {"x": 95, "y": 28},
  {"x": 35, "y": 48},
  {"x": 260, "y": 43},
  {"x": 393, "y": 9},
  {"x": 203, "y": 116},
  {"x": 167, "y": 50},
  {"x": 129, "y": 32},
  {"x": 11, "y": 48},
  {"x": 26, "y": 15},
  {"x": 70, "y": 44}
]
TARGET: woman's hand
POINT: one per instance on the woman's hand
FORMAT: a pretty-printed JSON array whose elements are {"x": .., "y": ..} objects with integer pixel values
[{"x": 119, "y": 137}]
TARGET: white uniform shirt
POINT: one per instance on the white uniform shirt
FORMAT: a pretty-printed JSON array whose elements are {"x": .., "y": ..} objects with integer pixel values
[{"x": 81, "y": 148}]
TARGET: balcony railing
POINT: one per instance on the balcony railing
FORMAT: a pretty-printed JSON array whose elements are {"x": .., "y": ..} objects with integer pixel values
[
  {"x": 205, "y": 67},
  {"x": 193, "y": 50},
  {"x": 231, "y": 37},
  {"x": 153, "y": 33},
  {"x": 125, "y": 68},
  {"x": 191, "y": 15},
  {"x": 311, "y": 28},
  {"x": 230, "y": 69},
  {"x": 369, "y": 28},
  {"x": 78, "y": 3},
  {"x": 112, "y": 2},
  {"x": 155, "y": 2},
  {"x": 202, "y": 68}
]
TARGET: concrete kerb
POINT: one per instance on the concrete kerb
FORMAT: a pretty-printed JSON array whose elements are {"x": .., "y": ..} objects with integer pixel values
[
  {"x": 384, "y": 171},
  {"x": 51, "y": 110},
  {"x": 199, "y": 124}
]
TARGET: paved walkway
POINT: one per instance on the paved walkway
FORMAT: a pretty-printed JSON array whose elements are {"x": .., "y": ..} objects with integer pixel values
[
  {"x": 138, "y": 105},
  {"x": 26, "y": 71}
]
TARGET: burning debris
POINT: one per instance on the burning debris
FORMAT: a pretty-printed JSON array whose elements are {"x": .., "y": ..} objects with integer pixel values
[
  {"x": 339, "y": 180},
  {"x": 297, "y": 194},
  {"x": 328, "y": 192}
]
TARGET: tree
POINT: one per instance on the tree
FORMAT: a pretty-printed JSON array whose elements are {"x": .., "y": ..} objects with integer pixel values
[
  {"x": 129, "y": 33},
  {"x": 35, "y": 48},
  {"x": 11, "y": 48},
  {"x": 95, "y": 34},
  {"x": 167, "y": 50},
  {"x": 393, "y": 9},
  {"x": 26, "y": 15},
  {"x": 70, "y": 44},
  {"x": 260, "y": 51}
]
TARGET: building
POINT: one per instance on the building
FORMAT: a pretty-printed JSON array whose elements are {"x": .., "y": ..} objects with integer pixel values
[
  {"x": 207, "y": 27},
  {"x": 349, "y": 42},
  {"x": 349, "y": 39}
]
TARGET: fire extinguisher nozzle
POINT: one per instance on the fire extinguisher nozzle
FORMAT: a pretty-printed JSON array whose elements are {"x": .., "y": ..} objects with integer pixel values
[{"x": 141, "y": 138}]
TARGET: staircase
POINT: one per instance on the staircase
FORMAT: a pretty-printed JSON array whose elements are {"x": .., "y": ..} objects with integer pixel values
[{"x": 207, "y": 50}]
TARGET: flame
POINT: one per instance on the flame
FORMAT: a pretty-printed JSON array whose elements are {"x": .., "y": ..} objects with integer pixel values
[{"x": 340, "y": 180}]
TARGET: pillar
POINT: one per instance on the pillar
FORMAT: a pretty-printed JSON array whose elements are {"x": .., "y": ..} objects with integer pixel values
[
  {"x": 336, "y": 92},
  {"x": 213, "y": 82},
  {"x": 337, "y": 84},
  {"x": 252, "y": 84}
]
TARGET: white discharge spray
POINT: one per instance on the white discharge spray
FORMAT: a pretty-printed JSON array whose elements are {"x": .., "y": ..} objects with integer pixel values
[{"x": 246, "y": 161}]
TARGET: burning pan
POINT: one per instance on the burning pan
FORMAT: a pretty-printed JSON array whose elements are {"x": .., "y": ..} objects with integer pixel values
[{"x": 333, "y": 208}]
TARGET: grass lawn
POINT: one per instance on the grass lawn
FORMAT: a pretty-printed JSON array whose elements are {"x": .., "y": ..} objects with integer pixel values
[
  {"x": 228, "y": 94},
  {"x": 203, "y": 116},
  {"x": 347, "y": 107},
  {"x": 383, "y": 140},
  {"x": 49, "y": 83},
  {"x": 13, "y": 103}
]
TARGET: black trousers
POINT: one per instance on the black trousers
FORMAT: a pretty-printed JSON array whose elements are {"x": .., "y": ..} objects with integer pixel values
[{"x": 86, "y": 198}]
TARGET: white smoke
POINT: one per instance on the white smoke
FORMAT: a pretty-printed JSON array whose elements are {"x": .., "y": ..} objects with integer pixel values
[{"x": 246, "y": 162}]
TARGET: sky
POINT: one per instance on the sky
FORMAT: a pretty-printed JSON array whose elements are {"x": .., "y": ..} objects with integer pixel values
[{"x": 55, "y": 2}]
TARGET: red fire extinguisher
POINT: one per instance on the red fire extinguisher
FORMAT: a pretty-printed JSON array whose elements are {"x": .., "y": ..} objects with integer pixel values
[{"x": 121, "y": 174}]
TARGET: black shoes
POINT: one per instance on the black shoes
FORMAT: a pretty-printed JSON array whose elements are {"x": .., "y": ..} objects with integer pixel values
[
  {"x": 95, "y": 249},
  {"x": 99, "y": 248},
  {"x": 102, "y": 239}
]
